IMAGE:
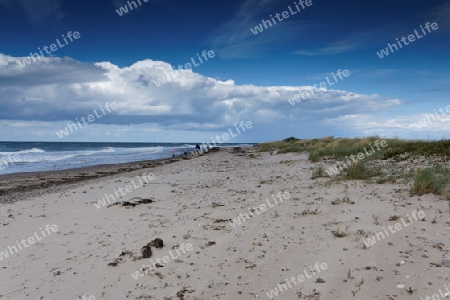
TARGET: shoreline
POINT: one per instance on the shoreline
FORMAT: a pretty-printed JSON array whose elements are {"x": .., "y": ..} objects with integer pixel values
[{"x": 19, "y": 186}]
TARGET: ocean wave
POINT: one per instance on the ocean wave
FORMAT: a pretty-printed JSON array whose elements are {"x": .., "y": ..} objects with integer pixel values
[
  {"x": 108, "y": 149},
  {"x": 39, "y": 159},
  {"x": 57, "y": 156},
  {"x": 142, "y": 149},
  {"x": 33, "y": 150},
  {"x": 186, "y": 145}
]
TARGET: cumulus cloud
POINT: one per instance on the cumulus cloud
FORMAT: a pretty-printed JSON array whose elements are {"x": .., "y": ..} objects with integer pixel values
[
  {"x": 56, "y": 89},
  {"x": 412, "y": 126},
  {"x": 46, "y": 70}
]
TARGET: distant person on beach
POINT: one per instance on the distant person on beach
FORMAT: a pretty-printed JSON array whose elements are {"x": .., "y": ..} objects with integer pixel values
[
  {"x": 186, "y": 152},
  {"x": 197, "y": 147},
  {"x": 173, "y": 153}
]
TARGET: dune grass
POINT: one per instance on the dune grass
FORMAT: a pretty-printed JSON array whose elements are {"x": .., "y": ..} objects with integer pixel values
[
  {"x": 430, "y": 180},
  {"x": 314, "y": 156},
  {"x": 339, "y": 148},
  {"x": 319, "y": 171},
  {"x": 359, "y": 171}
]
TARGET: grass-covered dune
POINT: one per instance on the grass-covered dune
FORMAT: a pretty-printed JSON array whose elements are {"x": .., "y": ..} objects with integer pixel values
[
  {"x": 342, "y": 147},
  {"x": 432, "y": 178}
]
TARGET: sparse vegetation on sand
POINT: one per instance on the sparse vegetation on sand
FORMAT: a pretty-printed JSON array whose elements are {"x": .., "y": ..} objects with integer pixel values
[
  {"x": 338, "y": 201},
  {"x": 430, "y": 180},
  {"x": 417, "y": 152},
  {"x": 339, "y": 148},
  {"x": 314, "y": 156},
  {"x": 319, "y": 171},
  {"x": 339, "y": 233},
  {"x": 360, "y": 171}
]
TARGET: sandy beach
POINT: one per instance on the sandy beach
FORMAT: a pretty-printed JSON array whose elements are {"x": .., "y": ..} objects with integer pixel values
[{"x": 226, "y": 225}]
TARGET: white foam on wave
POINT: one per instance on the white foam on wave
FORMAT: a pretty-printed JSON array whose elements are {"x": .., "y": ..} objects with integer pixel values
[
  {"x": 38, "y": 159},
  {"x": 33, "y": 150},
  {"x": 186, "y": 145},
  {"x": 142, "y": 149},
  {"x": 60, "y": 155}
]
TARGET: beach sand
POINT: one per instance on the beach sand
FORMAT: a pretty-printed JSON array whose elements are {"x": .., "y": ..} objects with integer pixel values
[{"x": 192, "y": 203}]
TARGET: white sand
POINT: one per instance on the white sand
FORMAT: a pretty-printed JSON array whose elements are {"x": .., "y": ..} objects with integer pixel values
[{"x": 244, "y": 262}]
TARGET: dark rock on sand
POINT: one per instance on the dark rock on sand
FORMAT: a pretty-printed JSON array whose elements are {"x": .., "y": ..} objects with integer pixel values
[
  {"x": 135, "y": 201},
  {"x": 115, "y": 262},
  {"x": 157, "y": 243},
  {"x": 145, "y": 201},
  {"x": 146, "y": 251}
]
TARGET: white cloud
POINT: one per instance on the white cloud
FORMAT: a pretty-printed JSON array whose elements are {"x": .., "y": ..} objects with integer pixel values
[
  {"x": 335, "y": 48},
  {"x": 403, "y": 125},
  {"x": 55, "y": 91}
]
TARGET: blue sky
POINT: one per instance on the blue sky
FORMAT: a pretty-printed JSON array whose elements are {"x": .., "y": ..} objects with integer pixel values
[{"x": 133, "y": 60}]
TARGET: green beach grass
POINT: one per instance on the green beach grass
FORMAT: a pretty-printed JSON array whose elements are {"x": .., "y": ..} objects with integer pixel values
[{"x": 433, "y": 179}]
